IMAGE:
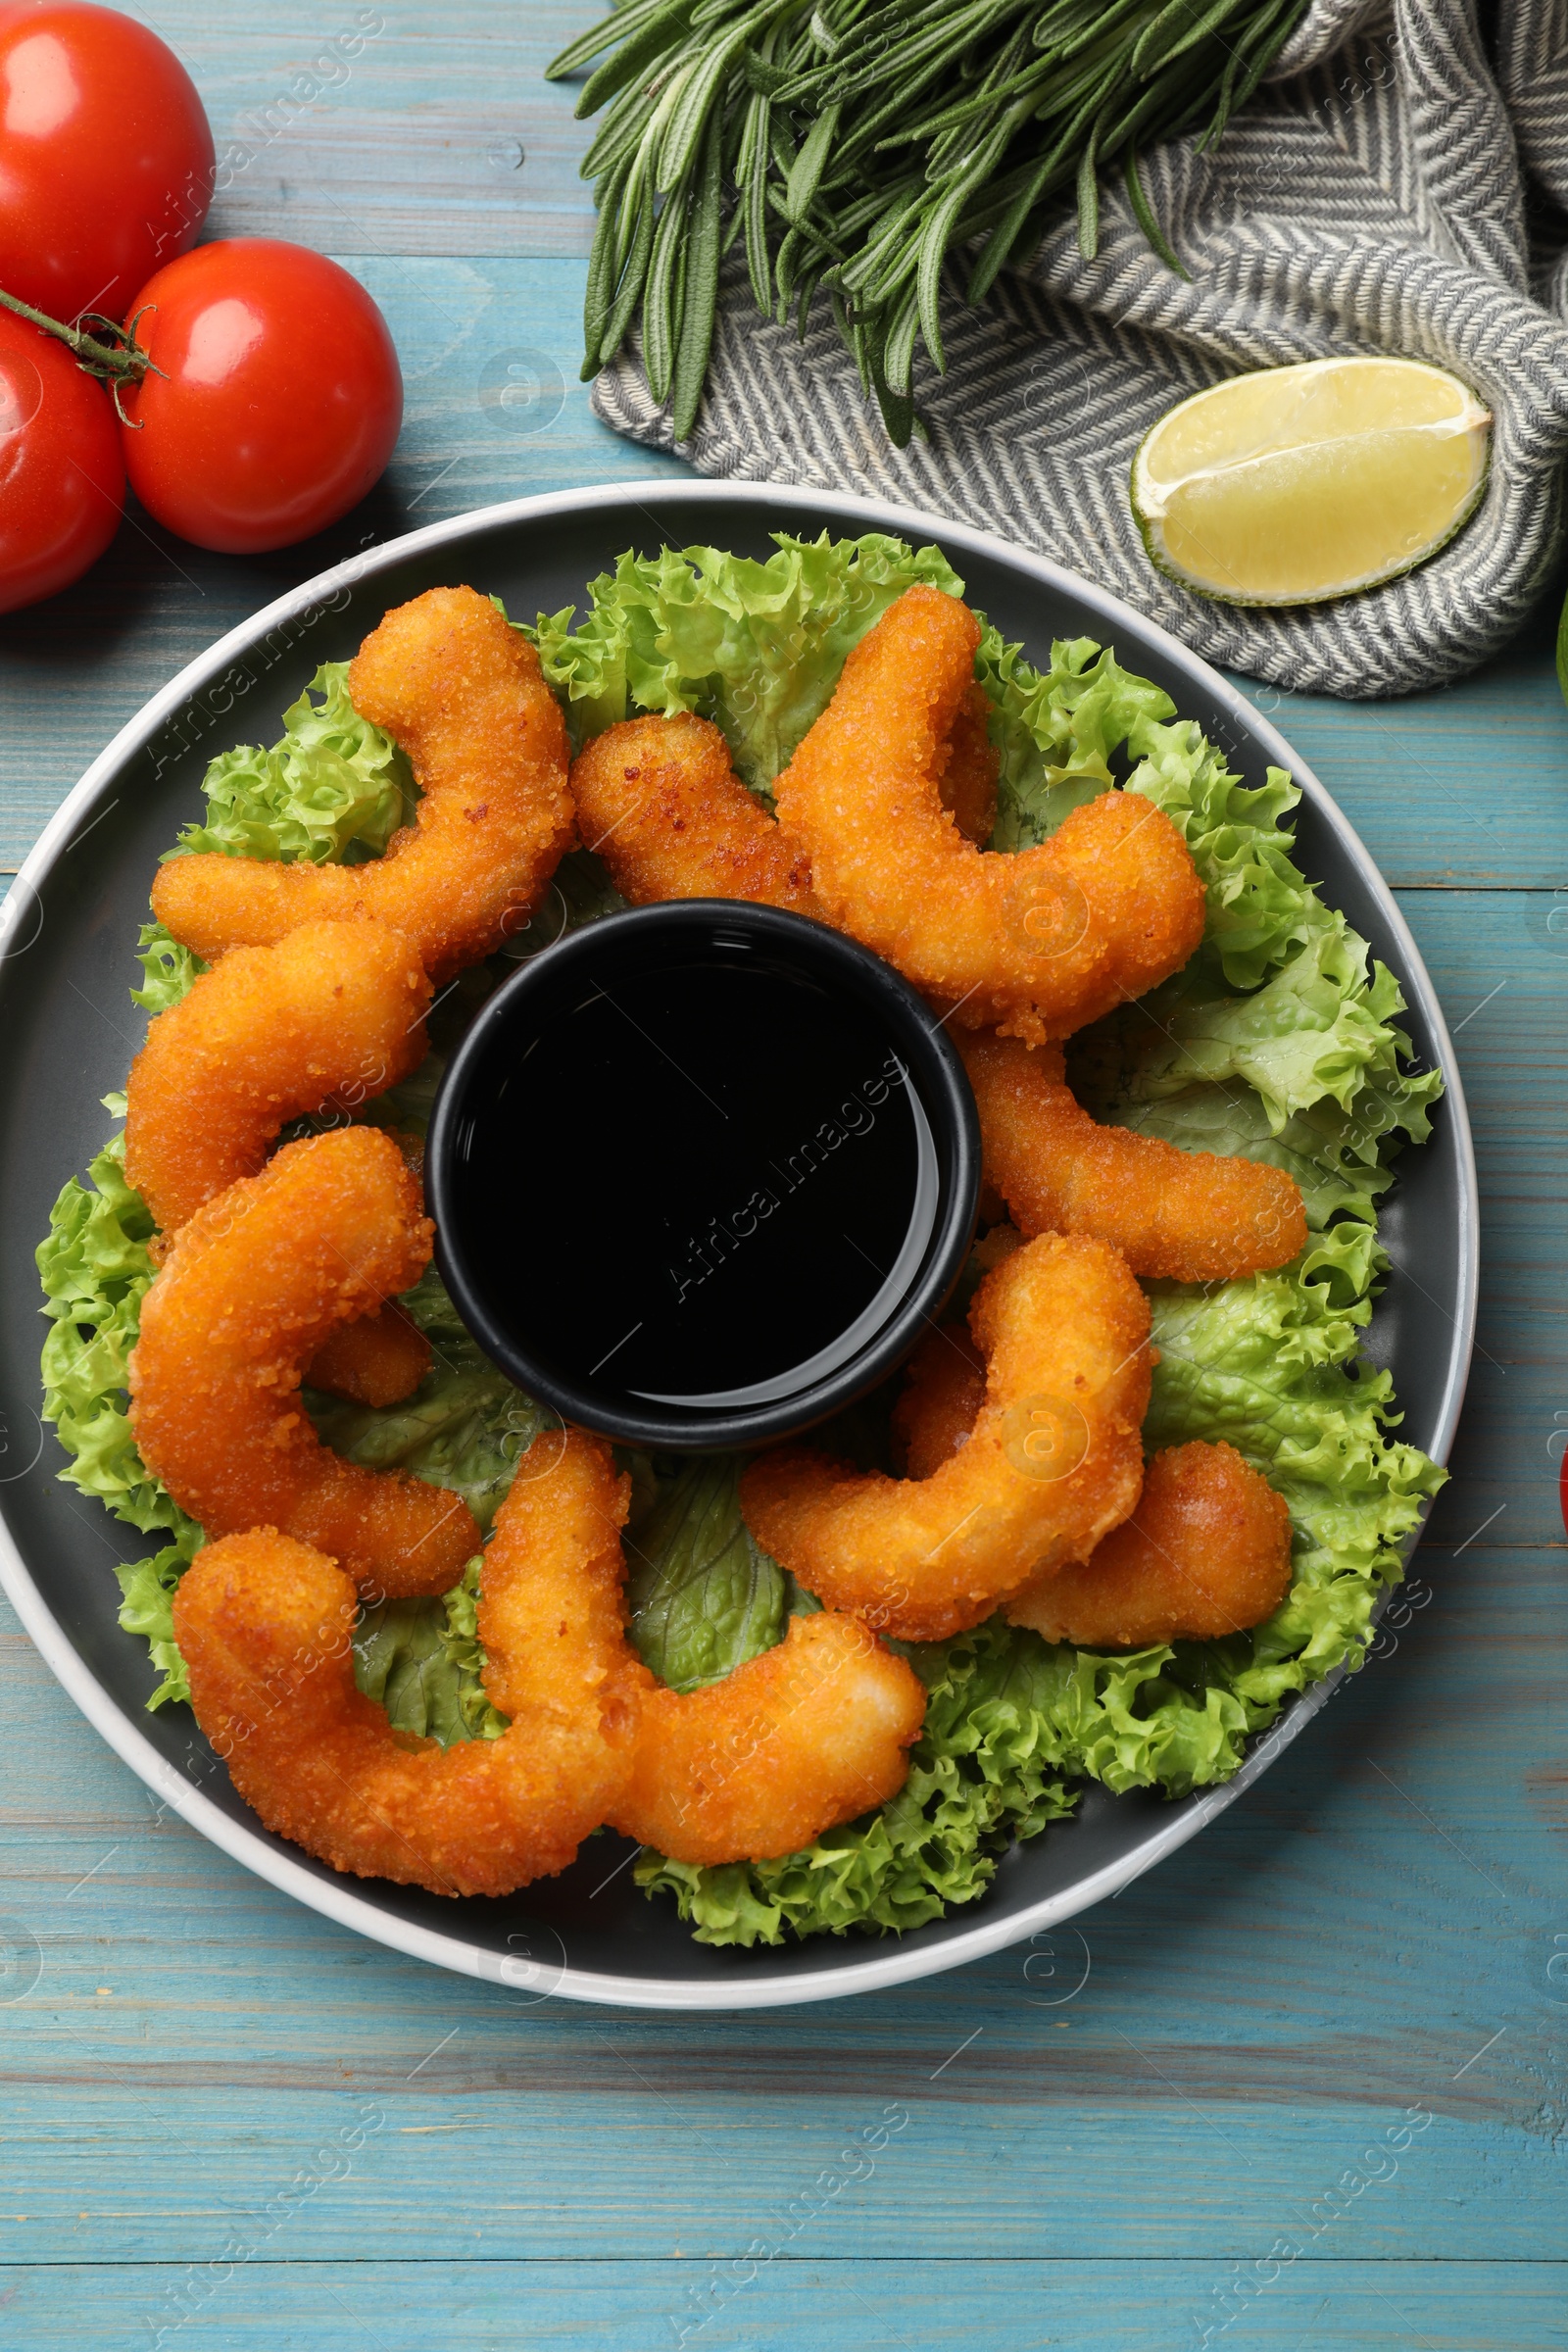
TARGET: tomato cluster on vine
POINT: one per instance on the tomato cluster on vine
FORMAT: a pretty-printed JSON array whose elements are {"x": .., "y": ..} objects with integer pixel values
[{"x": 248, "y": 389}]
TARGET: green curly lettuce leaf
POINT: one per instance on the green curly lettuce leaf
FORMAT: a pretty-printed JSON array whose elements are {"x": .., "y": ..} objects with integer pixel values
[
  {"x": 1311, "y": 1033},
  {"x": 1055, "y": 731},
  {"x": 333, "y": 789},
  {"x": 1310, "y": 1071},
  {"x": 703, "y": 1594},
  {"x": 168, "y": 969},
  {"x": 1272, "y": 1368},
  {"x": 1260, "y": 906},
  {"x": 421, "y": 1660},
  {"x": 757, "y": 647},
  {"x": 1279, "y": 1040},
  {"x": 147, "y": 1608},
  {"x": 95, "y": 1268},
  {"x": 1282, "y": 994}
]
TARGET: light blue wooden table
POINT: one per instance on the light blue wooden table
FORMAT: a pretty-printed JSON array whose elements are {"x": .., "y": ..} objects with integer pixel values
[{"x": 226, "y": 2123}]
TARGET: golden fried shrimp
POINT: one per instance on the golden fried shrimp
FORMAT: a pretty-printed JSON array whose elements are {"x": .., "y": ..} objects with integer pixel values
[
  {"x": 379, "y": 1360},
  {"x": 1194, "y": 1216},
  {"x": 263, "y": 1623},
  {"x": 251, "y": 1290},
  {"x": 335, "y": 1011},
  {"x": 660, "y": 802},
  {"x": 967, "y": 784},
  {"x": 792, "y": 1742},
  {"x": 1036, "y": 943},
  {"x": 939, "y": 1404},
  {"x": 1053, "y": 1464},
  {"x": 465, "y": 697},
  {"x": 1205, "y": 1554},
  {"x": 810, "y": 1735}
]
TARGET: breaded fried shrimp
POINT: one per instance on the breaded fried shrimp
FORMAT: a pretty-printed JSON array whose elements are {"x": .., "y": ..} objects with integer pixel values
[
  {"x": 968, "y": 785},
  {"x": 1205, "y": 1554},
  {"x": 1192, "y": 1216},
  {"x": 1035, "y": 944},
  {"x": 792, "y": 1743},
  {"x": 253, "y": 1287},
  {"x": 333, "y": 1010},
  {"x": 1054, "y": 1461},
  {"x": 660, "y": 802},
  {"x": 1122, "y": 860},
  {"x": 943, "y": 1389},
  {"x": 464, "y": 695},
  {"x": 263, "y": 1623},
  {"x": 380, "y": 1359},
  {"x": 557, "y": 1536}
]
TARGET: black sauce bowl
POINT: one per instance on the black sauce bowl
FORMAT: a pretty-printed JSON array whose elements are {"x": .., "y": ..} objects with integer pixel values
[{"x": 701, "y": 1174}]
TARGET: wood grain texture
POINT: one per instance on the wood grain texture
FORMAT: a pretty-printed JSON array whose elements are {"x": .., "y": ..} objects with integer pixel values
[
  {"x": 495, "y": 2306},
  {"x": 195, "y": 2072},
  {"x": 1466, "y": 788},
  {"x": 367, "y": 129}
]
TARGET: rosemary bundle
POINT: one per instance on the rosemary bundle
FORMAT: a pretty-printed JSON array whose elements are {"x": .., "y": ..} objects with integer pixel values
[{"x": 853, "y": 144}]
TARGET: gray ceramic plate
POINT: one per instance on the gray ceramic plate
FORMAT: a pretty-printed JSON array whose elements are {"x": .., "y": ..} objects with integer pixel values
[{"x": 66, "y": 1032}]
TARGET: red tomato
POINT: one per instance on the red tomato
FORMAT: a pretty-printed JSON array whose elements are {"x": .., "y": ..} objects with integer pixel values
[
  {"x": 281, "y": 398},
  {"x": 106, "y": 160},
  {"x": 62, "y": 484}
]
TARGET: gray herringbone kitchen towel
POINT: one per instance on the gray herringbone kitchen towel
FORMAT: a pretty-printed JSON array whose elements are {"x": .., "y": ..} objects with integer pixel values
[{"x": 1372, "y": 199}]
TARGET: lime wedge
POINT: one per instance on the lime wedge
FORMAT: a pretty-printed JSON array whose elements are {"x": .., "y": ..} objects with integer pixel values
[{"x": 1294, "y": 484}]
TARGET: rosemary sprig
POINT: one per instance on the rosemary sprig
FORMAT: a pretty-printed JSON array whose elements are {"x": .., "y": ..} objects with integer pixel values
[{"x": 853, "y": 146}]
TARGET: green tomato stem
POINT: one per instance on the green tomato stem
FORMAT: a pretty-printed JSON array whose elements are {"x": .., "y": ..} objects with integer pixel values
[{"x": 116, "y": 363}]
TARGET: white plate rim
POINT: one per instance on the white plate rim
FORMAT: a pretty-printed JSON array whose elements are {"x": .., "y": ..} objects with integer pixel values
[{"x": 881, "y": 1967}]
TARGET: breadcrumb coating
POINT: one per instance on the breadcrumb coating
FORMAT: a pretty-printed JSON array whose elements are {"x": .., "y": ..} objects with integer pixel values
[
  {"x": 333, "y": 1014},
  {"x": 810, "y": 1735},
  {"x": 462, "y": 694},
  {"x": 1189, "y": 1216},
  {"x": 1053, "y": 1463},
  {"x": 661, "y": 804},
  {"x": 379, "y": 1360},
  {"x": 263, "y": 1623},
  {"x": 943, "y": 1389},
  {"x": 1035, "y": 944},
  {"x": 1205, "y": 1554},
  {"x": 253, "y": 1287}
]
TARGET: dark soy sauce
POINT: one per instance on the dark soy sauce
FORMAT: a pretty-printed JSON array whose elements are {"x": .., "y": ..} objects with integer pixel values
[{"x": 709, "y": 1185}]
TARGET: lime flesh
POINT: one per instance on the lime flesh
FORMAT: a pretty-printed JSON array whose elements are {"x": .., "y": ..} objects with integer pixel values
[{"x": 1295, "y": 484}]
